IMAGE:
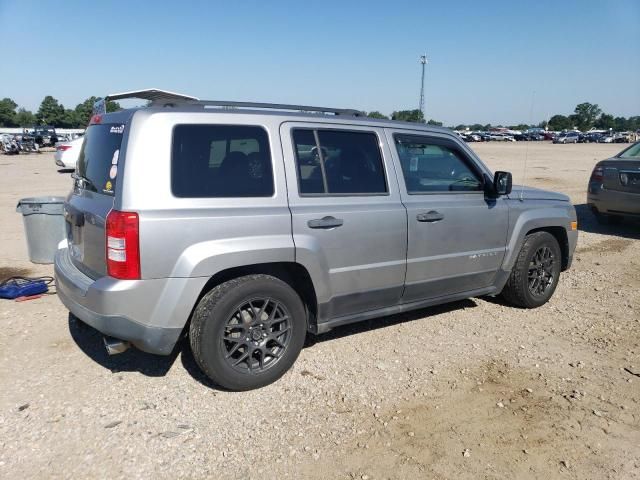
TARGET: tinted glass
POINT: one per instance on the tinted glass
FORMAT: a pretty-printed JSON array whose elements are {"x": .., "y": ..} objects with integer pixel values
[
  {"x": 352, "y": 162},
  {"x": 631, "y": 152},
  {"x": 98, "y": 158},
  {"x": 308, "y": 162},
  {"x": 221, "y": 161},
  {"x": 429, "y": 166}
]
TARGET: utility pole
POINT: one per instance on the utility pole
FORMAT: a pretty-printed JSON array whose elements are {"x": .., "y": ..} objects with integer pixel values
[{"x": 423, "y": 61}]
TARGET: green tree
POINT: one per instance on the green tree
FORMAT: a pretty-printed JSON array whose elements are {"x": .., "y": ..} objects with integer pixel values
[
  {"x": 7, "y": 112},
  {"x": 559, "y": 122},
  {"x": 620, "y": 124},
  {"x": 377, "y": 114},
  {"x": 476, "y": 127},
  {"x": 84, "y": 110},
  {"x": 50, "y": 112},
  {"x": 605, "y": 121},
  {"x": 408, "y": 116},
  {"x": 113, "y": 106},
  {"x": 25, "y": 118},
  {"x": 633, "y": 123},
  {"x": 586, "y": 114},
  {"x": 435, "y": 123}
]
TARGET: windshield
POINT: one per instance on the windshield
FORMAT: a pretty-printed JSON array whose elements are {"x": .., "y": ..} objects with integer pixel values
[
  {"x": 98, "y": 158},
  {"x": 632, "y": 152}
]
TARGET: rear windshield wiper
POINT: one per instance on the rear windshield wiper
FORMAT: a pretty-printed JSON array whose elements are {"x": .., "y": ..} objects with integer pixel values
[{"x": 84, "y": 182}]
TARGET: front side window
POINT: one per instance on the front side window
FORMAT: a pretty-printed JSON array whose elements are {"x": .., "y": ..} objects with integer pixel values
[
  {"x": 221, "y": 161},
  {"x": 338, "y": 162},
  {"x": 430, "y": 165}
]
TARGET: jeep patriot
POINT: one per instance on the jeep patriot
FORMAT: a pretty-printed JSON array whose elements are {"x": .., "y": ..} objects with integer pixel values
[{"x": 244, "y": 226}]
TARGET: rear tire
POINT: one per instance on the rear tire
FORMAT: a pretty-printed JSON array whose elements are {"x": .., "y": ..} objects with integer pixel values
[
  {"x": 247, "y": 332},
  {"x": 535, "y": 275}
]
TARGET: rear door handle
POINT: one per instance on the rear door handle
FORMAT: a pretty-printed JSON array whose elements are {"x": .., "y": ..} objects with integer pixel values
[
  {"x": 430, "y": 216},
  {"x": 325, "y": 222}
]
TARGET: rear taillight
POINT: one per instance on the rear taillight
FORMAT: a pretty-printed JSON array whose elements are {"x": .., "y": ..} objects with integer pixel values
[
  {"x": 597, "y": 175},
  {"x": 63, "y": 148},
  {"x": 123, "y": 245}
]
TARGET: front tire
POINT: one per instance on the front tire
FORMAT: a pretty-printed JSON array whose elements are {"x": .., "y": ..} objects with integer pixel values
[
  {"x": 535, "y": 275},
  {"x": 247, "y": 332}
]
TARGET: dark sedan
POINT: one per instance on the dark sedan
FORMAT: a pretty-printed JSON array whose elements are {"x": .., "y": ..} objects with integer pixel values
[{"x": 614, "y": 186}]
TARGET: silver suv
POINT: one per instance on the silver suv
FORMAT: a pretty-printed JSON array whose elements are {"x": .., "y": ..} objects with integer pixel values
[{"x": 245, "y": 226}]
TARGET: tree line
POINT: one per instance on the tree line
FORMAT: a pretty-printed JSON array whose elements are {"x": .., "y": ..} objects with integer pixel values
[
  {"x": 50, "y": 112},
  {"x": 585, "y": 116}
]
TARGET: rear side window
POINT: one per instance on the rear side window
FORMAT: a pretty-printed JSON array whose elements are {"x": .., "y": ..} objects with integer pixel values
[
  {"x": 430, "y": 165},
  {"x": 221, "y": 161},
  {"x": 98, "y": 158},
  {"x": 338, "y": 162}
]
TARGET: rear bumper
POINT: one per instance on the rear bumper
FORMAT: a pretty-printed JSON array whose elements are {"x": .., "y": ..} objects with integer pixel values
[
  {"x": 151, "y": 314},
  {"x": 614, "y": 202}
]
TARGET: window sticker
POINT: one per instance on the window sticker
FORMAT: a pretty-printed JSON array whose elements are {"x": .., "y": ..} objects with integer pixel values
[
  {"x": 414, "y": 164},
  {"x": 114, "y": 159},
  {"x": 117, "y": 129},
  {"x": 108, "y": 188},
  {"x": 113, "y": 172}
]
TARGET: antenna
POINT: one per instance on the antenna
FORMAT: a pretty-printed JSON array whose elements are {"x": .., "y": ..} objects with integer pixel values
[
  {"x": 423, "y": 61},
  {"x": 526, "y": 150}
]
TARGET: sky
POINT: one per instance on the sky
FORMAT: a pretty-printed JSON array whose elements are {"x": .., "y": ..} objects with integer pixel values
[{"x": 499, "y": 62}]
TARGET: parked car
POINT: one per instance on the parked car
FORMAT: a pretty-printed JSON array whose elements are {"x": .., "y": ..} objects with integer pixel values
[
  {"x": 484, "y": 136},
  {"x": 470, "y": 137},
  {"x": 614, "y": 187},
  {"x": 593, "y": 137},
  {"x": 67, "y": 153},
  {"x": 501, "y": 137},
  {"x": 567, "y": 137},
  {"x": 45, "y": 136},
  {"x": 247, "y": 228}
]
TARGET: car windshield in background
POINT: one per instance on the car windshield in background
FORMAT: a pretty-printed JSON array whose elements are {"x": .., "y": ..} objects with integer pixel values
[
  {"x": 98, "y": 159},
  {"x": 632, "y": 152}
]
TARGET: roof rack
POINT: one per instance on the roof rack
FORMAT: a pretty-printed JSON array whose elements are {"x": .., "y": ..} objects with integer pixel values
[
  {"x": 166, "y": 98},
  {"x": 276, "y": 106}
]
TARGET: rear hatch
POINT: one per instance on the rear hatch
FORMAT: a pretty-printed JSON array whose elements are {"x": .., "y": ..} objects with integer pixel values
[
  {"x": 93, "y": 195},
  {"x": 621, "y": 175}
]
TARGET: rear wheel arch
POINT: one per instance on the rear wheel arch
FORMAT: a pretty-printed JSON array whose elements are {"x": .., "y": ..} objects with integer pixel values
[{"x": 292, "y": 273}]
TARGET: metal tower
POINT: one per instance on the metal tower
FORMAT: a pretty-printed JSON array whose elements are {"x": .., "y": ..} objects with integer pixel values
[{"x": 423, "y": 61}]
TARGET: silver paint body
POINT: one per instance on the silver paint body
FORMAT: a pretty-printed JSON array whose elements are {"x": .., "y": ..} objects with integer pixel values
[{"x": 380, "y": 261}]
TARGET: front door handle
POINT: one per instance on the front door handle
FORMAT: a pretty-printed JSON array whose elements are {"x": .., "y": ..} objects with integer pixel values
[
  {"x": 325, "y": 222},
  {"x": 430, "y": 216}
]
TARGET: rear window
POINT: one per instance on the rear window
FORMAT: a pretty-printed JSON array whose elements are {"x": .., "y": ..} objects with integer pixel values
[
  {"x": 221, "y": 161},
  {"x": 338, "y": 162},
  {"x": 632, "y": 152},
  {"x": 98, "y": 159}
]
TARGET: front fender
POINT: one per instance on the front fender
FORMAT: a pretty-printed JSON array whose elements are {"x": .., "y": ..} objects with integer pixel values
[{"x": 525, "y": 218}]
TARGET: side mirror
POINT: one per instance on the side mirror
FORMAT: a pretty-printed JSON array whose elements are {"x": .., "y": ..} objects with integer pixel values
[{"x": 502, "y": 183}]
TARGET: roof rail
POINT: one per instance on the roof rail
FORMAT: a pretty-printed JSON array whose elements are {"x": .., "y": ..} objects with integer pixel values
[{"x": 275, "y": 106}]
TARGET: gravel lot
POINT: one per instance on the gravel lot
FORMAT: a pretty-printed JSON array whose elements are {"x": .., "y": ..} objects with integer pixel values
[{"x": 474, "y": 389}]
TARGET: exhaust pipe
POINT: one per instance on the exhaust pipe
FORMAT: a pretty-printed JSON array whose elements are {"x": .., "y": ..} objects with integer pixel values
[{"x": 115, "y": 345}]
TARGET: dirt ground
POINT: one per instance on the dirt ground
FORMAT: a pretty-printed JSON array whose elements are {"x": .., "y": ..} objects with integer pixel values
[{"x": 475, "y": 389}]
